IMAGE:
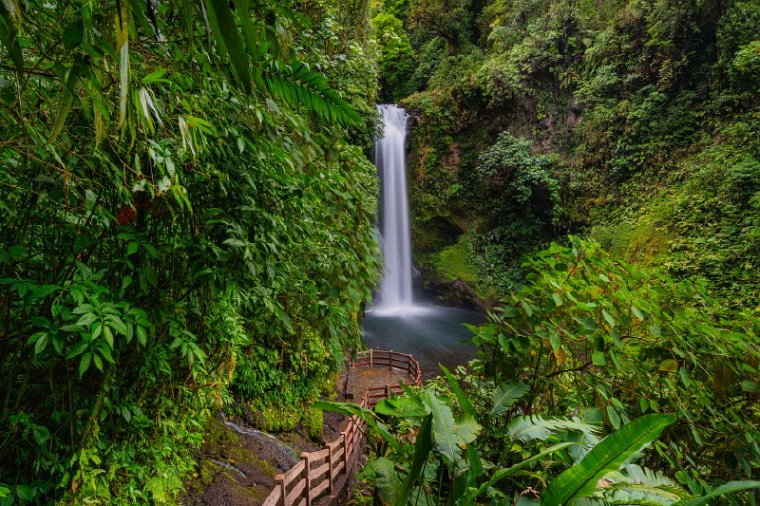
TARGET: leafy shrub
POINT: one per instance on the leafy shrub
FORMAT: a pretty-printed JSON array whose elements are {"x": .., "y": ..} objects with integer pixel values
[{"x": 588, "y": 332}]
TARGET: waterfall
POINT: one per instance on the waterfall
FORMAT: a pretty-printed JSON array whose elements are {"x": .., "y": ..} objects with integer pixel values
[{"x": 396, "y": 285}]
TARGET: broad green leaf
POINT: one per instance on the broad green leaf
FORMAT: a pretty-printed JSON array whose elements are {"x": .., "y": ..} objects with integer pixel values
[
  {"x": 142, "y": 335},
  {"x": 84, "y": 363},
  {"x": 685, "y": 377},
  {"x": 449, "y": 436},
  {"x": 78, "y": 349},
  {"x": 387, "y": 479},
  {"x": 63, "y": 111},
  {"x": 443, "y": 427},
  {"x": 98, "y": 362},
  {"x": 25, "y": 492},
  {"x": 228, "y": 39},
  {"x": 609, "y": 318},
  {"x": 422, "y": 447},
  {"x": 86, "y": 319},
  {"x": 401, "y": 407},
  {"x": 609, "y": 455},
  {"x": 41, "y": 343},
  {"x": 614, "y": 417},
  {"x": 72, "y": 34},
  {"x": 155, "y": 76},
  {"x": 668, "y": 365}
]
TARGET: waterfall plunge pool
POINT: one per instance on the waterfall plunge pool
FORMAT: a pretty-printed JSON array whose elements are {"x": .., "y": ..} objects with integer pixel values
[{"x": 433, "y": 334}]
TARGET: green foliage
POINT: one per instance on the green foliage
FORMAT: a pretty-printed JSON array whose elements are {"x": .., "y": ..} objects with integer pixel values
[
  {"x": 591, "y": 332},
  {"x": 396, "y": 57},
  {"x": 519, "y": 202},
  {"x": 738, "y": 46},
  {"x": 704, "y": 225},
  {"x": 184, "y": 218},
  {"x": 434, "y": 470},
  {"x": 450, "y": 20}
]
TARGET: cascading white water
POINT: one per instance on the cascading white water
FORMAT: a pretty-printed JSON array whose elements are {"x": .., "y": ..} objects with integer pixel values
[{"x": 396, "y": 286}]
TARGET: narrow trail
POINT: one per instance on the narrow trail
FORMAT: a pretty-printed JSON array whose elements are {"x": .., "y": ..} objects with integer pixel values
[
  {"x": 242, "y": 466},
  {"x": 324, "y": 477}
]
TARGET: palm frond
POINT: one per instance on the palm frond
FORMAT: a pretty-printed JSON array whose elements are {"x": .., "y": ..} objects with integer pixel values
[
  {"x": 633, "y": 473},
  {"x": 506, "y": 395},
  {"x": 584, "y": 436},
  {"x": 636, "y": 485},
  {"x": 297, "y": 85},
  {"x": 640, "y": 495}
]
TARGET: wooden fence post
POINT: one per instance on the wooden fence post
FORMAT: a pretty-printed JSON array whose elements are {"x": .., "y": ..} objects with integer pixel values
[
  {"x": 370, "y": 357},
  {"x": 330, "y": 469},
  {"x": 307, "y": 477},
  {"x": 390, "y": 360},
  {"x": 279, "y": 481},
  {"x": 344, "y": 434}
]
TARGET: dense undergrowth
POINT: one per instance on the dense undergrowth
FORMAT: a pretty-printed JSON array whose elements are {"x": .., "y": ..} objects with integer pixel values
[
  {"x": 580, "y": 371},
  {"x": 187, "y": 215}
]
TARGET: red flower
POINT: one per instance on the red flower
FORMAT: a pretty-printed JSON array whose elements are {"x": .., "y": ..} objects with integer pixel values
[{"x": 126, "y": 216}]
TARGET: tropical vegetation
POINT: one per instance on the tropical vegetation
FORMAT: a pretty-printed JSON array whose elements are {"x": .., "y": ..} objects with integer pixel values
[
  {"x": 187, "y": 224},
  {"x": 187, "y": 216}
]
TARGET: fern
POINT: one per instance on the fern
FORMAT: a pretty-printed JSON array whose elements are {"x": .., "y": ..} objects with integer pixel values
[
  {"x": 584, "y": 435},
  {"x": 635, "y": 474},
  {"x": 637, "y": 485},
  {"x": 297, "y": 85}
]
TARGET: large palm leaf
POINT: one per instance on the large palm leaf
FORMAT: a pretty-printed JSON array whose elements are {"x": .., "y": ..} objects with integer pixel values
[
  {"x": 298, "y": 85},
  {"x": 583, "y": 435},
  {"x": 609, "y": 455}
]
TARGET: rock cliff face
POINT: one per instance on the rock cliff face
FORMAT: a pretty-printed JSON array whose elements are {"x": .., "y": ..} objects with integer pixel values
[
  {"x": 453, "y": 292},
  {"x": 442, "y": 159}
]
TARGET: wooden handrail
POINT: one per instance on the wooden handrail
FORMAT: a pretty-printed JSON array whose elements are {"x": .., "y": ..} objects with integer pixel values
[{"x": 318, "y": 471}]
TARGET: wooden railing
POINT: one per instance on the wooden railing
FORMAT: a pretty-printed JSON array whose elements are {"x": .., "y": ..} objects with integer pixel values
[
  {"x": 392, "y": 360},
  {"x": 317, "y": 473}
]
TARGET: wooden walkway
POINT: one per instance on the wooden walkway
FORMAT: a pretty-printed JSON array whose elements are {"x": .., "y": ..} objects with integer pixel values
[{"x": 322, "y": 475}]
